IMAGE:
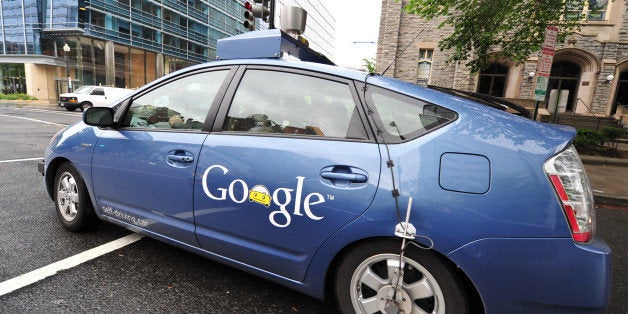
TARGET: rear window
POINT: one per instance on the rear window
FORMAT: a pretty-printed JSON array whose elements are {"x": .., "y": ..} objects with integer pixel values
[{"x": 403, "y": 118}]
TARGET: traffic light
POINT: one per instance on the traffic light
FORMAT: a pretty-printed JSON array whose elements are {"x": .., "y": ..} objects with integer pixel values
[{"x": 249, "y": 18}]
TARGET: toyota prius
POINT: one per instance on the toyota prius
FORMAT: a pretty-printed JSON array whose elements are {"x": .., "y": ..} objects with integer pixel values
[{"x": 378, "y": 195}]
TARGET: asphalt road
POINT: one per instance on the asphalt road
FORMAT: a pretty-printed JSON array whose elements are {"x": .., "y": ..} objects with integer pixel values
[{"x": 146, "y": 276}]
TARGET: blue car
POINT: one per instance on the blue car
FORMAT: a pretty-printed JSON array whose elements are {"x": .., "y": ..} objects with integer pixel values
[{"x": 381, "y": 195}]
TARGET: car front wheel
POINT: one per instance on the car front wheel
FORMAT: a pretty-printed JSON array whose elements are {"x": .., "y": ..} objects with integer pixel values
[
  {"x": 73, "y": 205},
  {"x": 370, "y": 280},
  {"x": 86, "y": 105}
]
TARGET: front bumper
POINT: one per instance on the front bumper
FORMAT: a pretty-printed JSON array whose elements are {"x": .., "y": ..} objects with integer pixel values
[
  {"x": 65, "y": 104},
  {"x": 538, "y": 275}
]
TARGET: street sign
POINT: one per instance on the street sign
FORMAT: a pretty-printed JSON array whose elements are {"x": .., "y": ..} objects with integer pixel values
[
  {"x": 541, "y": 88},
  {"x": 545, "y": 63}
]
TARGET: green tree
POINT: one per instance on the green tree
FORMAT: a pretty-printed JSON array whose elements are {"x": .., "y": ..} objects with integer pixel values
[
  {"x": 512, "y": 29},
  {"x": 369, "y": 65}
]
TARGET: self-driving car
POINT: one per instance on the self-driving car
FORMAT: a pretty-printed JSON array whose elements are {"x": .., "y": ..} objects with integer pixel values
[{"x": 376, "y": 194}]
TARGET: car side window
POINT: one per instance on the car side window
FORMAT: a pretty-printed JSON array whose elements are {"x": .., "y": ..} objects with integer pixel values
[
  {"x": 179, "y": 104},
  {"x": 404, "y": 118},
  {"x": 98, "y": 92},
  {"x": 290, "y": 103}
]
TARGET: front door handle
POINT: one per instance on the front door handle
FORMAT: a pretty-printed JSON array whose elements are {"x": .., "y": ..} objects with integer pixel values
[{"x": 351, "y": 177}]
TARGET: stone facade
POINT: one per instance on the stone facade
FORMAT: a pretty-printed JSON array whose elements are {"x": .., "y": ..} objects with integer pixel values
[{"x": 600, "y": 49}]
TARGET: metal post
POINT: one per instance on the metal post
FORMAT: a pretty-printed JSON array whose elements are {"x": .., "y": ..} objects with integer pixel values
[
  {"x": 66, "y": 53},
  {"x": 536, "y": 110},
  {"x": 67, "y": 71}
]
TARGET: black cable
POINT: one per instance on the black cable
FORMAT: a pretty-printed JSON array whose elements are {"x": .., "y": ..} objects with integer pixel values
[{"x": 389, "y": 163}]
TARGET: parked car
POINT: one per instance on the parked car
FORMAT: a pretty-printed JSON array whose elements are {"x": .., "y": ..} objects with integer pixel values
[
  {"x": 89, "y": 96},
  {"x": 380, "y": 194}
]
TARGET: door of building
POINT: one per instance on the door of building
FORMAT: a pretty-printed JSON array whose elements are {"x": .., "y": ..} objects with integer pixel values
[
  {"x": 565, "y": 75},
  {"x": 621, "y": 98}
]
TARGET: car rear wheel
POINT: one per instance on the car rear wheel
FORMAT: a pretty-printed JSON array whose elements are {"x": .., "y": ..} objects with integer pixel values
[
  {"x": 86, "y": 105},
  {"x": 73, "y": 205},
  {"x": 366, "y": 279}
]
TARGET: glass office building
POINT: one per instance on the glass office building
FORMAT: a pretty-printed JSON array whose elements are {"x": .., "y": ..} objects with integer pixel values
[{"x": 122, "y": 43}]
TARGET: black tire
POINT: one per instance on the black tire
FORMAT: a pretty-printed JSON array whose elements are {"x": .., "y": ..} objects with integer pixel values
[
  {"x": 85, "y": 105},
  {"x": 371, "y": 261},
  {"x": 74, "y": 207}
]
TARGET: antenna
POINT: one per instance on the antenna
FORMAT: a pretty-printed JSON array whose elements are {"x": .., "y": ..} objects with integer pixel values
[{"x": 403, "y": 50}]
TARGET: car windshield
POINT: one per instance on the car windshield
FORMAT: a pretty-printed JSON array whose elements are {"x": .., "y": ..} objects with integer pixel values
[{"x": 83, "y": 90}]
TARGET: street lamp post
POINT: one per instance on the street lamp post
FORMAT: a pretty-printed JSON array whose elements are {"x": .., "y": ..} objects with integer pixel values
[{"x": 66, "y": 50}]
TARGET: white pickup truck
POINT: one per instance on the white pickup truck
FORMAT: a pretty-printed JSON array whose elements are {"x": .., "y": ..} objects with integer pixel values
[{"x": 89, "y": 96}]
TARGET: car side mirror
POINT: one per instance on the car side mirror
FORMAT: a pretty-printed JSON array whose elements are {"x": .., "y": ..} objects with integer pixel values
[{"x": 101, "y": 117}]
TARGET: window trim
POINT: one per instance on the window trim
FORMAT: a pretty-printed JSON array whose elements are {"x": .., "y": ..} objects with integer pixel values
[
  {"x": 221, "y": 115},
  {"x": 377, "y": 122},
  {"x": 125, "y": 105}
]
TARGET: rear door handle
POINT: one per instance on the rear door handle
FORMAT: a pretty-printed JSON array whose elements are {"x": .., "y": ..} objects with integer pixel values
[
  {"x": 180, "y": 158},
  {"x": 351, "y": 177}
]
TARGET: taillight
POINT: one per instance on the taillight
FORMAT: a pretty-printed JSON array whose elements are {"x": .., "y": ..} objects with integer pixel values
[{"x": 567, "y": 175}]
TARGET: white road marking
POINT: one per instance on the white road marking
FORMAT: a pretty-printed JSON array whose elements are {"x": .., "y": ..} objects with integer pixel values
[
  {"x": 18, "y": 160},
  {"x": 72, "y": 261},
  {"x": 29, "y": 119},
  {"x": 57, "y": 112}
]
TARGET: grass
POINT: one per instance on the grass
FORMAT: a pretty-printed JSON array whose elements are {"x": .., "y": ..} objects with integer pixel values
[{"x": 16, "y": 97}]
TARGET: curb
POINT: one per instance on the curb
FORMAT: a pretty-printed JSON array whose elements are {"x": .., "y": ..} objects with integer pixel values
[
  {"x": 607, "y": 199},
  {"x": 596, "y": 160},
  {"x": 603, "y": 199}
]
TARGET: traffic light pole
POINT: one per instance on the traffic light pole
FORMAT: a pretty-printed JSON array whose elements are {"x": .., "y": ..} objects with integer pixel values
[{"x": 271, "y": 21}]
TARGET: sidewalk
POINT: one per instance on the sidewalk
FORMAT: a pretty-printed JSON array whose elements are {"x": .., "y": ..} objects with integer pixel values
[
  {"x": 609, "y": 179},
  {"x": 30, "y": 103}
]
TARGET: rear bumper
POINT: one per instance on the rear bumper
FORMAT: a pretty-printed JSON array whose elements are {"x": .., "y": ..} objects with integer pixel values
[{"x": 538, "y": 275}]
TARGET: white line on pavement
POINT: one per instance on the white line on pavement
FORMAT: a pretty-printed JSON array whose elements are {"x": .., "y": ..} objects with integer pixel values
[
  {"x": 57, "y": 112},
  {"x": 47, "y": 271},
  {"x": 29, "y": 119},
  {"x": 18, "y": 160}
]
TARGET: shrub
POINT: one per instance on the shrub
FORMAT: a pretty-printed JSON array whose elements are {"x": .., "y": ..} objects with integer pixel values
[
  {"x": 611, "y": 134},
  {"x": 587, "y": 139}
]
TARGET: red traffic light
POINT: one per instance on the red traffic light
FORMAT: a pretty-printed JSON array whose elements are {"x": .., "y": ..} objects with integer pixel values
[{"x": 249, "y": 19}]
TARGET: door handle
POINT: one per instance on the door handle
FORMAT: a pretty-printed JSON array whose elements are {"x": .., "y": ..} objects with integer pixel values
[
  {"x": 351, "y": 177},
  {"x": 180, "y": 158}
]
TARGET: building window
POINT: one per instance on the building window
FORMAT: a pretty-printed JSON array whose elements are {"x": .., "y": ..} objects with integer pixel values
[
  {"x": 12, "y": 79},
  {"x": 593, "y": 10},
  {"x": 493, "y": 80},
  {"x": 424, "y": 66}
]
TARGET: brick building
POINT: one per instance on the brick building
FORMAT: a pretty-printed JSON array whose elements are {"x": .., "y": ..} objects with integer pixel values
[{"x": 591, "y": 65}]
